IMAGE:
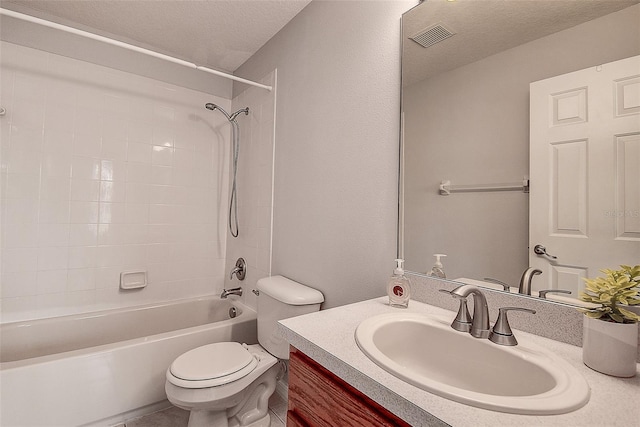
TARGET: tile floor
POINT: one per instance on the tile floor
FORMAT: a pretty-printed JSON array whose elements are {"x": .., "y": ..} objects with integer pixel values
[{"x": 176, "y": 417}]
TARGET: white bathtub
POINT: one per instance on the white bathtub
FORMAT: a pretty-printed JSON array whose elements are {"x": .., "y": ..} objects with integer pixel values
[{"x": 103, "y": 367}]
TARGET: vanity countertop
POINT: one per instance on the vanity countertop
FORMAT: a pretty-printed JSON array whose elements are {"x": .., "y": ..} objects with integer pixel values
[{"x": 328, "y": 337}]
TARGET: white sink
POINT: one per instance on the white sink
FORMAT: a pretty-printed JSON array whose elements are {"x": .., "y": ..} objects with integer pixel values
[{"x": 425, "y": 351}]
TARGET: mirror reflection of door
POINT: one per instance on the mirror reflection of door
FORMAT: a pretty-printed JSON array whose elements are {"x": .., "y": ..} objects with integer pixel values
[{"x": 585, "y": 173}]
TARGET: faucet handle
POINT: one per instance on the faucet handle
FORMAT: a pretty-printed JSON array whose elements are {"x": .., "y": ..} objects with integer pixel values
[
  {"x": 501, "y": 333},
  {"x": 463, "y": 319},
  {"x": 543, "y": 293},
  {"x": 505, "y": 286}
]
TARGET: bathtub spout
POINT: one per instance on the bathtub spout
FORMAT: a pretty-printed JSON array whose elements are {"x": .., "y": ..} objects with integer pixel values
[{"x": 235, "y": 291}]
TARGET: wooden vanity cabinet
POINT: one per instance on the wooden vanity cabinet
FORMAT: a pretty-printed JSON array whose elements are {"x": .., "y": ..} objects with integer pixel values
[{"x": 318, "y": 398}]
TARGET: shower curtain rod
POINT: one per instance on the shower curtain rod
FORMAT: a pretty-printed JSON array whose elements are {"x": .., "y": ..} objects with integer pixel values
[{"x": 148, "y": 52}]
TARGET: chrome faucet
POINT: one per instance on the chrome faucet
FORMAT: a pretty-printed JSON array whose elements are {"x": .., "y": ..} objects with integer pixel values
[
  {"x": 501, "y": 333},
  {"x": 480, "y": 322},
  {"x": 525, "y": 280},
  {"x": 235, "y": 291}
]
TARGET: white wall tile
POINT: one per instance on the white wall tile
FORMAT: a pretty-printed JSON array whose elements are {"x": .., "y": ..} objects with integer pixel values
[
  {"x": 86, "y": 168},
  {"x": 57, "y": 189},
  {"x": 27, "y": 114},
  {"x": 52, "y": 258},
  {"x": 56, "y": 164},
  {"x": 19, "y": 185},
  {"x": 84, "y": 190},
  {"x": 138, "y": 172},
  {"x": 161, "y": 175},
  {"x": 113, "y": 170},
  {"x": 20, "y": 211},
  {"x": 162, "y": 155},
  {"x": 84, "y": 212},
  {"x": 25, "y": 138},
  {"x": 137, "y": 192},
  {"x": 136, "y": 213},
  {"x": 58, "y": 112},
  {"x": 83, "y": 234},
  {"x": 140, "y": 130},
  {"x": 57, "y": 142},
  {"x": 19, "y": 235},
  {"x": 114, "y": 129},
  {"x": 22, "y": 161},
  {"x": 18, "y": 284},
  {"x": 113, "y": 191},
  {"x": 112, "y": 213},
  {"x": 51, "y": 281},
  {"x": 53, "y": 235},
  {"x": 81, "y": 279},
  {"x": 82, "y": 256},
  {"x": 114, "y": 148},
  {"x": 15, "y": 260},
  {"x": 86, "y": 143},
  {"x": 93, "y": 185},
  {"x": 53, "y": 211},
  {"x": 138, "y": 152}
]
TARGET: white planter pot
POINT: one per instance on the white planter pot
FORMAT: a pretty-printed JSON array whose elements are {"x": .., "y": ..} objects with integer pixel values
[{"x": 609, "y": 347}]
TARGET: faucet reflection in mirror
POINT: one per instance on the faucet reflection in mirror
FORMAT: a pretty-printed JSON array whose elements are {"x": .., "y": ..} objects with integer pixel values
[{"x": 486, "y": 84}]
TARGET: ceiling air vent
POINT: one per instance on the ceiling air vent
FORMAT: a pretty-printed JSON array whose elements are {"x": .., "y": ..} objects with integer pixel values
[{"x": 432, "y": 35}]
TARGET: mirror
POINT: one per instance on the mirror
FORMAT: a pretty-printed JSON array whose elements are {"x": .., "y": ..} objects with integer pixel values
[{"x": 465, "y": 119}]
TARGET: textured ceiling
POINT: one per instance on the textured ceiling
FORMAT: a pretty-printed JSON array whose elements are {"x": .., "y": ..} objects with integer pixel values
[
  {"x": 487, "y": 27},
  {"x": 220, "y": 34}
]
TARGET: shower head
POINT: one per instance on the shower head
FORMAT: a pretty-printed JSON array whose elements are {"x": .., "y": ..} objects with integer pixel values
[
  {"x": 244, "y": 110},
  {"x": 232, "y": 117}
]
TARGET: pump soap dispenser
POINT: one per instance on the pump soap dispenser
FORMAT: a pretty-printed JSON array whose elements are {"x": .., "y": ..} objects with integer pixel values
[
  {"x": 438, "y": 269},
  {"x": 399, "y": 289}
]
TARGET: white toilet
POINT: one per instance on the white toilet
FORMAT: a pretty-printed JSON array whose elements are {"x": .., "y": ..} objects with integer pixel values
[{"x": 228, "y": 383}]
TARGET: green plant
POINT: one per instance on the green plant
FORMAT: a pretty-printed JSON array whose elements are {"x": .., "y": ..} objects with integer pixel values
[{"x": 618, "y": 287}]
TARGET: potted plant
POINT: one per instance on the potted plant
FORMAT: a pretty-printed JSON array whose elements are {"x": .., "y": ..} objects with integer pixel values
[{"x": 610, "y": 341}]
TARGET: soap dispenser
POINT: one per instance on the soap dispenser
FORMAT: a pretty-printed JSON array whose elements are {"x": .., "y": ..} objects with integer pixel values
[
  {"x": 438, "y": 269},
  {"x": 399, "y": 289}
]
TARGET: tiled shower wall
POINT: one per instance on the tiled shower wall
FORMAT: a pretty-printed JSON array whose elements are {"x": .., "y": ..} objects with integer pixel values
[
  {"x": 255, "y": 186},
  {"x": 105, "y": 172}
]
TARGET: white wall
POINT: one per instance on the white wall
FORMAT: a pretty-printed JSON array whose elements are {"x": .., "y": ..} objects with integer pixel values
[
  {"x": 337, "y": 131},
  {"x": 105, "y": 171},
  {"x": 471, "y": 126}
]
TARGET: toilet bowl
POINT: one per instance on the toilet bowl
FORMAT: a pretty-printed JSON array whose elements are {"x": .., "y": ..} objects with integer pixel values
[
  {"x": 229, "y": 384},
  {"x": 227, "y": 391}
]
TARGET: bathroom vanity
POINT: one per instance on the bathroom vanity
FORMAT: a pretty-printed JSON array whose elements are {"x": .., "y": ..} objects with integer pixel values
[
  {"x": 332, "y": 379},
  {"x": 319, "y": 398}
]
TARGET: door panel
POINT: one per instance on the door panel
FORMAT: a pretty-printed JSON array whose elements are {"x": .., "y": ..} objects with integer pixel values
[{"x": 585, "y": 179}]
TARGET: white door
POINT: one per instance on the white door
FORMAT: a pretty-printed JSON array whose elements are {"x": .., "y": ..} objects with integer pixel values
[{"x": 585, "y": 173}]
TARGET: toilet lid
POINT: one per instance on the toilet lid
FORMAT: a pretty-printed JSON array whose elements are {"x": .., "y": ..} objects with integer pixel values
[{"x": 213, "y": 364}]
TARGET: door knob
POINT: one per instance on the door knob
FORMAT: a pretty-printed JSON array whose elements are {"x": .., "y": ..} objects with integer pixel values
[{"x": 542, "y": 251}]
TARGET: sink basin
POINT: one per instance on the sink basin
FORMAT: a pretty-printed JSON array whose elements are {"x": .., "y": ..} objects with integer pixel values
[{"x": 426, "y": 352}]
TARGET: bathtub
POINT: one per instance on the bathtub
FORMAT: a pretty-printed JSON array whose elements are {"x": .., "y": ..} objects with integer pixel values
[{"x": 100, "y": 368}]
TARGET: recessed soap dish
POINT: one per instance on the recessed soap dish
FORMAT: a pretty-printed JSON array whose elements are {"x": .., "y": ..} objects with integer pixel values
[{"x": 133, "y": 280}]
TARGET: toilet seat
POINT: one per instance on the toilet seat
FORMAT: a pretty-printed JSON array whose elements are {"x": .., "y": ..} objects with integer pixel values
[{"x": 212, "y": 365}]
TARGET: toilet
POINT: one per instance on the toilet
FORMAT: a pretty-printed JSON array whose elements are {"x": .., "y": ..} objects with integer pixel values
[{"x": 228, "y": 384}]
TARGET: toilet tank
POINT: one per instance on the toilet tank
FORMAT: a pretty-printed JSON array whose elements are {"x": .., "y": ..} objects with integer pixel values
[{"x": 281, "y": 298}]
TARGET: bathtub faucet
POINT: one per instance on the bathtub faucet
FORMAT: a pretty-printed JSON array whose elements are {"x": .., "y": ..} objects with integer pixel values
[{"x": 235, "y": 291}]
